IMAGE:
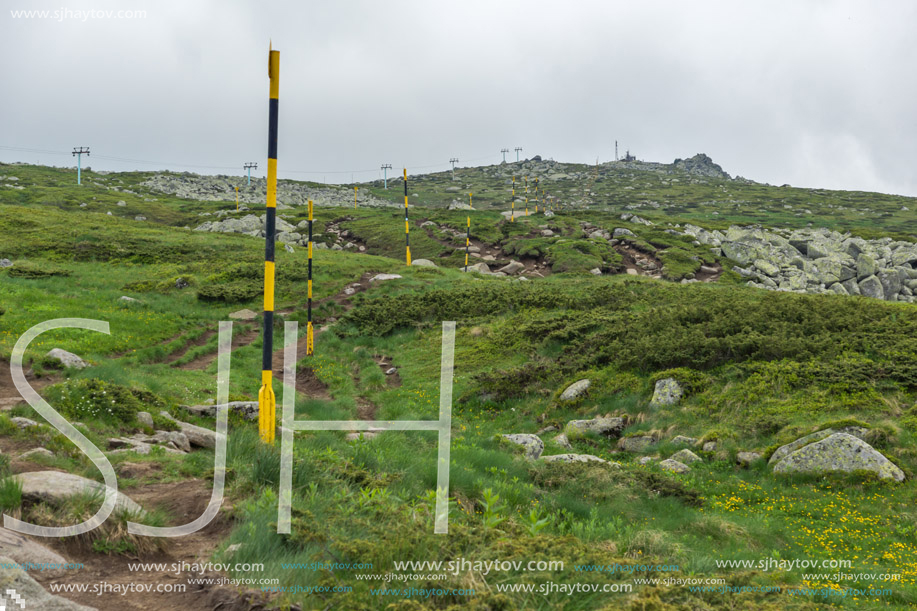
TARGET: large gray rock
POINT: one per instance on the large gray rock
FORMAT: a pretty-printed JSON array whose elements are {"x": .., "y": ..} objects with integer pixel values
[
  {"x": 30, "y": 592},
  {"x": 871, "y": 286},
  {"x": 746, "y": 459},
  {"x": 513, "y": 267},
  {"x": 609, "y": 427},
  {"x": 532, "y": 444},
  {"x": 667, "y": 392},
  {"x": 866, "y": 266},
  {"x": 681, "y": 440},
  {"x": 481, "y": 268},
  {"x": 67, "y": 359},
  {"x": 575, "y": 390},
  {"x": 636, "y": 443},
  {"x": 56, "y": 487},
  {"x": 6, "y": 263},
  {"x": 686, "y": 457},
  {"x": 423, "y": 263},
  {"x": 674, "y": 466},
  {"x": 785, "y": 450},
  {"x": 25, "y": 551},
  {"x": 839, "y": 452}
]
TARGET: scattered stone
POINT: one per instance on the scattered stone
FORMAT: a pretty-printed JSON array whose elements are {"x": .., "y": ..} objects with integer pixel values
[
  {"x": 595, "y": 271},
  {"x": 384, "y": 277},
  {"x": 577, "y": 458},
  {"x": 481, "y": 268},
  {"x": 636, "y": 443},
  {"x": 645, "y": 460},
  {"x": 667, "y": 392},
  {"x": 366, "y": 435},
  {"x": 67, "y": 359},
  {"x": 122, "y": 203},
  {"x": 145, "y": 418},
  {"x": 747, "y": 458},
  {"x": 839, "y": 452},
  {"x": 709, "y": 446},
  {"x": 674, "y": 466},
  {"x": 686, "y": 457},
  {"x": 622, "y": 232},
  {"x": 33, "y": 452},
  {"x": 513, "y": 267},
  {"x": 23, "y": 423},
  {"x": 245, "y": 314},
  {"x": 532, "y": 444},
  {"x": 423, "y": 263},
  {"x": 681, "y": 440},
  {"x": 785, "y": 450},
  {"x": 247, "y": 409},
  {"x": 197, "y": 435},
  {"x": 609, "y": 427},
  {"x": 391, "y": 371},
  {"x": 127, "y": 299},
  {"x": 562, "y": 441},
  {"x": 6, "y": 263},
  {"x": 575, "y": 390}
]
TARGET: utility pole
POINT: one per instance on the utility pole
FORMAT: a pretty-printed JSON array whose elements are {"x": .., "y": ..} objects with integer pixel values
[
  {"x": 453, "y": 161},
  {"x": 267, "y": 400},
  {"x": 250, "y": 166},
  {"x": 79, "y": 152},
  {"x": 518, "y": 148},
  {"x": 504, "y": 151},
  {"x": 385, "y": 168}
]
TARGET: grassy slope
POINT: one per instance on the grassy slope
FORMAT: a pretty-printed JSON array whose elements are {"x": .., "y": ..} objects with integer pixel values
[{"x": 762, "y": 368}]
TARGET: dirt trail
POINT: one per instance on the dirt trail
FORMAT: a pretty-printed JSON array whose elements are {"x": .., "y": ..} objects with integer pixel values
[
  {"x": 9, "y": 395},
  {"x": 244, "y": 338},
  {"x": 184, "y": 501},
  {"x": 200, "y": 341}
]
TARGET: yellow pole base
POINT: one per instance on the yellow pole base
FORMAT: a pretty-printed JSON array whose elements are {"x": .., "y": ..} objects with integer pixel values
[
  {"x": 310, "y": 340},
  {"x": 267, "y": 404}
]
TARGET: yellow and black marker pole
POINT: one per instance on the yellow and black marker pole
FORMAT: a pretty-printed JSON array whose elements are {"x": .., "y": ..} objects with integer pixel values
[
  {"x": 354, "y": 198},
  {"x": 310, "y": 334},
  {"x": 512, "y": 216},
  {"x": 407, "y": 226},
  {"x": 470, "y": 205},
  {"x": 266, "y": 399},
  {"x": 536, "y": 195},
  {"x": 467, "y": 242},
  {"x": 526, "y": 179},
  {"x": 237, "y": 199}
]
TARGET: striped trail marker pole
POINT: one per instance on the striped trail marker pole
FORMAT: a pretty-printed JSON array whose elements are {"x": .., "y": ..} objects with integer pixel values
[
  {"x": 407, "y": 226},
  {"x": 354, "y": 198},
  {"x": 536, "y": 195},
  {"x": 267, "y": 401},
  {"x": 526, "y": 179},
  {"x": 512, "y": 215},
  {"x": 470, "y": 205},
  {"x": 467, "y": 242},
  {"x": 310, "y": 334},
  {"x": 237, "y": 199}
]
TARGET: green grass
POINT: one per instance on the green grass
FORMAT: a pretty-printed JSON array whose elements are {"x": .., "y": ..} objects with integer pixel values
[{"x": 759, "y": 368}]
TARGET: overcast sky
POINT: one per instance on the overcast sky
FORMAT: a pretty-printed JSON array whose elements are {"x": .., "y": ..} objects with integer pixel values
[{"x": 818, "y": 94}]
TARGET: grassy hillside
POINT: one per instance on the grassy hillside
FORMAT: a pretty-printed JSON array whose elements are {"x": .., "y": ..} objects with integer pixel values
[{"x": 759, "y": 369}]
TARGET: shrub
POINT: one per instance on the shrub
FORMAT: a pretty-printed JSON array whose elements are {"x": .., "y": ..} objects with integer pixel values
[
  {"x": 230, "y": 292},
  {"x": 89, "y": 398},
  {"x": 28, "y": 270}
]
